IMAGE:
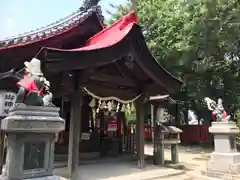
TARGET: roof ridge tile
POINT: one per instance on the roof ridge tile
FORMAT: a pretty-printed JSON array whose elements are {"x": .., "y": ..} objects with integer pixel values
[{"x": 52, "y": 29}]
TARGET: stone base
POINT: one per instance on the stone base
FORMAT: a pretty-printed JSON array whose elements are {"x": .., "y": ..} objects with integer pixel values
[
  {"x": 225, "y": 176},
  {"x": 38, "y": 178},
  {"x": 47, "y": 178},
  {"x": 224, "y": 163},
  {"x": 224, "y": 127}
]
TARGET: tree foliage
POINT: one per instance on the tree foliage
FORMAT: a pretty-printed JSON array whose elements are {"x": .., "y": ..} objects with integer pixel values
[{"x": 198, "y": 41}]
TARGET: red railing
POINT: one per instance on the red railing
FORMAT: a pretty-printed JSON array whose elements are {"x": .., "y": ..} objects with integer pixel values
[
  {"x": 190, "y": 134},
  {"x": 194, "y": 133},
  {"x": 148, "y": 131}
]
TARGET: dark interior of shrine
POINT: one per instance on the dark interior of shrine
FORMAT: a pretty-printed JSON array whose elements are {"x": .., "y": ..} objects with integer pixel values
[{"x": 101, "y": 140}]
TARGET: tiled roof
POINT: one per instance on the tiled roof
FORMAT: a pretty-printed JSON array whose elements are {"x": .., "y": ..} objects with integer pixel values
[{"x": 53, "y": 29}]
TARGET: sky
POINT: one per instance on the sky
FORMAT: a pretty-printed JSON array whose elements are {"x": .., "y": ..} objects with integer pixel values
[{"x": 19, "y": 16}]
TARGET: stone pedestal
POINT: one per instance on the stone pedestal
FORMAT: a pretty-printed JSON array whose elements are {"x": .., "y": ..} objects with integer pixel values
[
  {"x": 225, "y": 160},
  {"x": 158, "y": 150},
  {"x": 166, "y": 135},
  {"x": 31, "y": 134}
]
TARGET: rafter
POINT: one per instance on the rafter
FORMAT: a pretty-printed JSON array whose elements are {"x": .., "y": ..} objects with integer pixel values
[{"x": 112, "y": 79}]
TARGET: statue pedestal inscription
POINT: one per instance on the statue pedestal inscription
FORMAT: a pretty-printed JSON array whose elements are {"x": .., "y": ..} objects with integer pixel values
[
  {"x": 30, "y": 142},
  {"x": 225, "y": 160}
]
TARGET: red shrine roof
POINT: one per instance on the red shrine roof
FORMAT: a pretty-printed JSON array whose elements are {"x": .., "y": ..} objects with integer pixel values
[
  {"x": 108, "y": 46},
  {"x": 108, "y": 36},
  {"x": 52, "y": 30}
]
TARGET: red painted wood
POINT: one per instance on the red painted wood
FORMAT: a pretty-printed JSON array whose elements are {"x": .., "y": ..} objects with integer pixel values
[{"x": 194, "y": 133}]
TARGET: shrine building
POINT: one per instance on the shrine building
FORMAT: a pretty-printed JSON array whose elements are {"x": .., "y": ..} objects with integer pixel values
[{"x": 96, "y": 73}]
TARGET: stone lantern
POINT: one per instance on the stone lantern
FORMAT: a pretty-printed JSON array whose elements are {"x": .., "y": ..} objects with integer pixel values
[{"x": 31, "y": 134}]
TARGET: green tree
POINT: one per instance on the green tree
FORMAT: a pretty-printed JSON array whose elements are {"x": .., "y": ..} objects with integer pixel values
[{"x": 196, "y": 40}]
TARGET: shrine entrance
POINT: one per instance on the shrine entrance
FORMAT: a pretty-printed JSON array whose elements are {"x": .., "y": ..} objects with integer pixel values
[
  {"x": 104, "y": 130},
  {"x": 116, "y": 71}
]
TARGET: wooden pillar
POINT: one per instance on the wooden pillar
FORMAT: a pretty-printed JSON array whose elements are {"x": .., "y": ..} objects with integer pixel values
[
  {"x": 140, "y": 131},
  {"x": 74, "y": 134},
  {"x": 153, "y": 120},
  {"x": 102, "y": 134}
]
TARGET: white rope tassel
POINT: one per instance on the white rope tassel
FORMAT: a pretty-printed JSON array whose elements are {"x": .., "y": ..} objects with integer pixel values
[
  {"x": 104, "y": 105},
  {"x": 92, "y": 103},
  {"x": 109, "y": 106},
  {"x": 132, "y": 107},
  {"x": 128, "y": 109},
  {"x": 111, "y": 97},
  {"x": 118, "y": 107},
  {"x": 123, "y": 108}
]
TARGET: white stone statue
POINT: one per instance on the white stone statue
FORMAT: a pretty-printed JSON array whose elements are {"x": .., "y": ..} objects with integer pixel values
[
  {"x": 34, "y": 88},
  {"x": 218, "y": 111}
]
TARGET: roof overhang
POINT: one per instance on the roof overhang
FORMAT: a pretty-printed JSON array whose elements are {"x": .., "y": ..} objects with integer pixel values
[
  {"x": 109, "y": 46},
  {"x": 60, "y": 29}
]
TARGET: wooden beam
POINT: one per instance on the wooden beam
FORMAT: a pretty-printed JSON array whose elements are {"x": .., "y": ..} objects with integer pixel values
[
  {"x": 128, "y": 73},
  {"x": 155, "y": 89},
  {"x": 98, "y": 88},
  {"x": 154, "y": 70},
  {"x": 80, "y": 60},
  {"x": 106, "y": 92},
  {"x": 112, "y": 79},
  {"x": 107, "y": 85}
]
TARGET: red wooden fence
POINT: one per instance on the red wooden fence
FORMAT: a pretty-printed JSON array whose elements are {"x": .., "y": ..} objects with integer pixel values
[
  {"x": 190, "y": 134},
  {"x": 194, "y": 133}
]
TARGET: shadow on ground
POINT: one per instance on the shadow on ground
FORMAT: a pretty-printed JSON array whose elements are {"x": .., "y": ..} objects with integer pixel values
[{"x": 120, "y": 169}]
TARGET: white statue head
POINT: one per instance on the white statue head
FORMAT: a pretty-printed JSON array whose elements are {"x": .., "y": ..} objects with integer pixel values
[
  {"x": 219, "y": 105},
  {"x": 34, "y": 67}
]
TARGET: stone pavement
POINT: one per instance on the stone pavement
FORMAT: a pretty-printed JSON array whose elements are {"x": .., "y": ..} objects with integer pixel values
[{"x": 192, "y": 160}]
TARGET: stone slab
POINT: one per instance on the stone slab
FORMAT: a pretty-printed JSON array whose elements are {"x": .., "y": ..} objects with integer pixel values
[
  {"x": 54, "y": 177},
  {"x": 24, "y": 118},
  {"x": 47, "y": 178},
  {"x": 32, "y": 124},
  {"x": 219, "y": 175},
  {"x": 224, "y": 163},
  {"x": 228, "y": 127},
  {"x": 29, "y": 126}
]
